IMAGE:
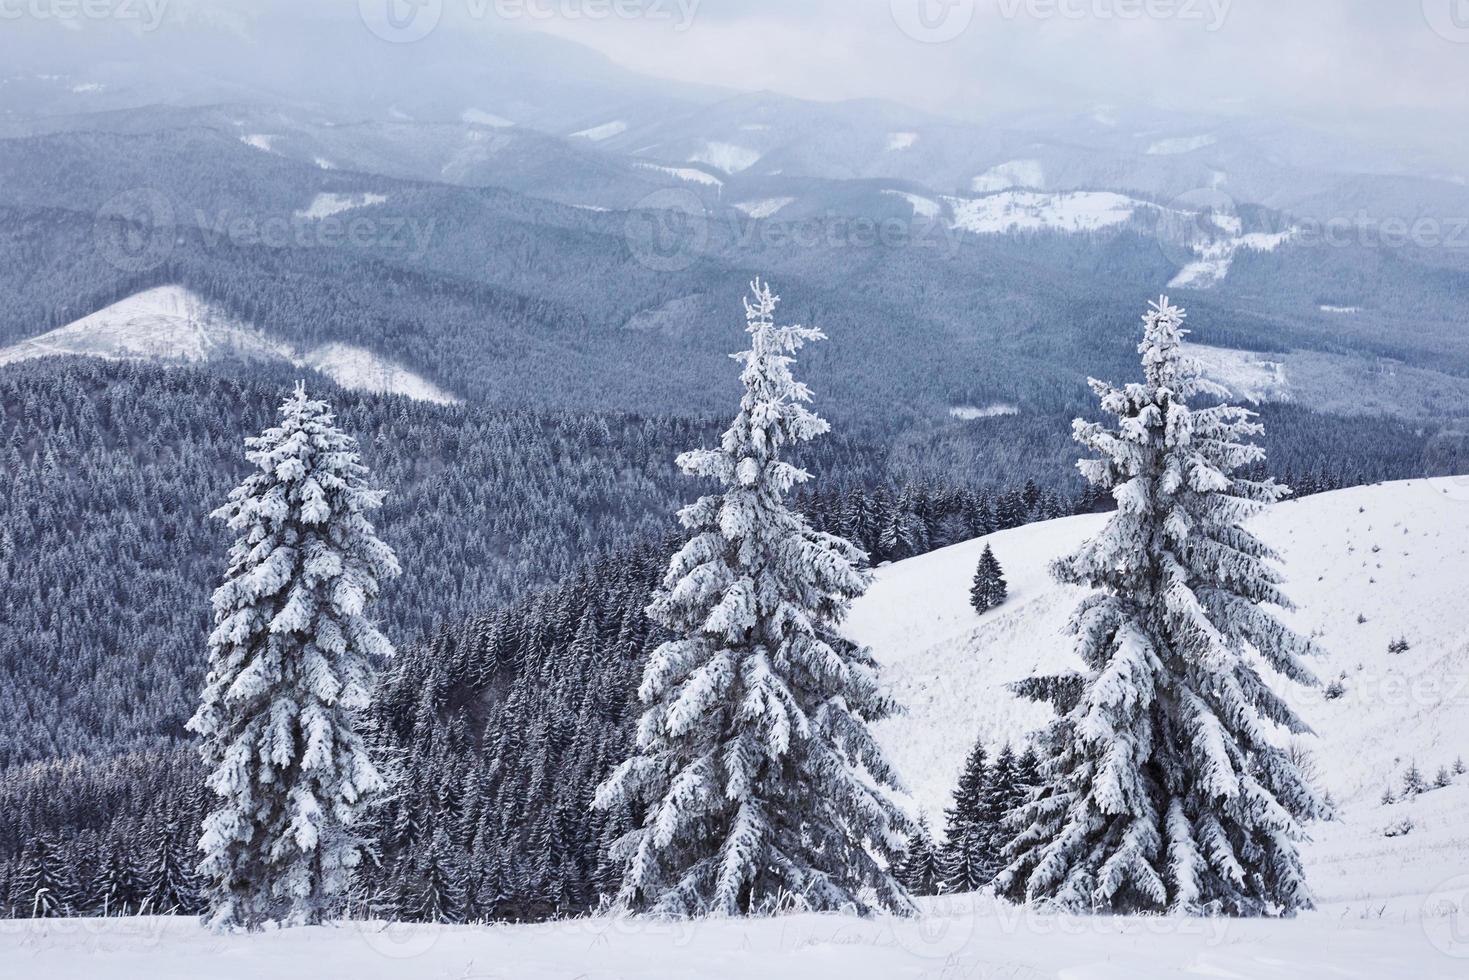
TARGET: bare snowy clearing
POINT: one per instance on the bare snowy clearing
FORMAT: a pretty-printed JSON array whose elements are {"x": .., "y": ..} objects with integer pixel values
[{"x": 171, "y": 324}]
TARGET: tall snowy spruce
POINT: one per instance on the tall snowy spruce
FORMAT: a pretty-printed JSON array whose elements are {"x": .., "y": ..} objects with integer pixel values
[
  {"x": 755, "y": 781},
  {"x": 290, "y": 676},
  {"x": 1162, "y": 790}
]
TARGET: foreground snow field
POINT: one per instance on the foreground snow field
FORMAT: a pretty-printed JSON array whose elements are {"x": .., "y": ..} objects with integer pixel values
[
  {"x": 1367, "y": 567},
  {"x": 962, "y": 939}
]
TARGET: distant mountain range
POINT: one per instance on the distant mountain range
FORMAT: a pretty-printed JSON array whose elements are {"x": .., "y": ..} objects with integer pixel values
[{"x": 533, "y": 225}]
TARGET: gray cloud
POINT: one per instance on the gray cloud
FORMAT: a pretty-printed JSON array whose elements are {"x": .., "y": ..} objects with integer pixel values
[{"x": 1365, "y": 64}]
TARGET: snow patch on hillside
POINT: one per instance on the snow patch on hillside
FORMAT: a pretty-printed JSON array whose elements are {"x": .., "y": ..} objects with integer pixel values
[
  {"x": 1328, "y": 308},
  {"x": 603, "y": 132},
  {"x": 326, "y": 205},
  {"x": 691, "y": 174},
  {"x": 479, "y": 117},
  {"x": 923, "y": 207},
  {"x": 764, "y": 207},
  {"x": 362, "y": 370},
  {"x": 728, "y": 157},
  {"x": 1004, "y": 176},
  {"x": 1247, "y": 375},
  {"x": 172, "y": 325},
  {"x": 1074, "y": 211},
  {"x": 1177, "y": 145},
  {"x": 1215, "y": 258},
  {"x": 970, "y": 413},
  {"x": 168, "y": 323},
  {"x": 901, "y": 141},
  {"x": 259, "y": 141}
]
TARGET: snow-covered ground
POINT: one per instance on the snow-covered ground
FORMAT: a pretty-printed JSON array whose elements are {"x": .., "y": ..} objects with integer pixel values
[
  {"x": 1013, "y": 173},
  {"x": 970, "y": 413},
  {"x": 691, "y": 174},
  {"x": 171, "y": 324},
  {"x": 1072, "y": 211},
  {"x": 729, "y": 157},
  {"x": 763, "y": 207},
  {"x": 1215, "y": 258},
  {"x": 1249, "y": 376},
  {"x": 326, "y": 205},
  {"x": 963, "y": 938},
  {"x": 478, "y": 117},
  {"x": 902, "y": 141},
  {"x": 923, "y": 207},
  {"x": 1176, "y": 145},
  {"x": 1366, "y": 566},
  {"x": 603, "y": 132}
]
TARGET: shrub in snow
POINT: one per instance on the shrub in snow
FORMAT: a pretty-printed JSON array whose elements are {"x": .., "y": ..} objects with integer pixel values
[
  {"x": 1162, "y": 788},
  {"x": 1399, "y": 828},
  {"x": 1335, "y": 689},
  {"x": 1413, "y": 781},
  {"x": 1398, "y": 646},
  {"x": 1442, "y": 778},
  {"x": 759, "y": 783},
  {"x": 290, "y": 675},
  {"x": 1459, "y": 767}
]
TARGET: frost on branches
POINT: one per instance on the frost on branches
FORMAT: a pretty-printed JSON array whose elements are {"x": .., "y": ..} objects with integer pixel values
[
  {"x": 1163, "y": 790},
  {"x": 757, "y": 781},
  {"x": 290, "y": 675}
]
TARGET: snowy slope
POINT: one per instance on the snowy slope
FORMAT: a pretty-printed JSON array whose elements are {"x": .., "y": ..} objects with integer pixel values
[
  {"x": 1397, "y": 555},
  {"x": 170, "y": 324},
  {"x": 1009, "y": 211},
  {"x": 1390, "y": 907}
]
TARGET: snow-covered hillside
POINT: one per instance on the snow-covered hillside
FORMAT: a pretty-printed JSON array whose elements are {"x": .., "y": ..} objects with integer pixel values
[
  {"x": 170, "y": 324},
  {"x": 1366, "y": 567}
]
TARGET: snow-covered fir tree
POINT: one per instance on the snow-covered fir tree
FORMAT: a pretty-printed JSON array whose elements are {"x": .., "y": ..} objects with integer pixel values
[
  {"x": 1163, "y": 791},
  {"x": 290, "y": 674},
  {"x": 966, "y": 840},
  {"x": 119, "y": 888},
  {"x": 989, "y": 588},
  {"x": 45, "y": 885},
  {"x": 757, "y": 779},
  {"x": 169, "y": 886},
  {"x": 920, "y": 870}
]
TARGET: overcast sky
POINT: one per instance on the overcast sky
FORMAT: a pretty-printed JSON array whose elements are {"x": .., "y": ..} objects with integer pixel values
[{"x": 1342, "y": 60}]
